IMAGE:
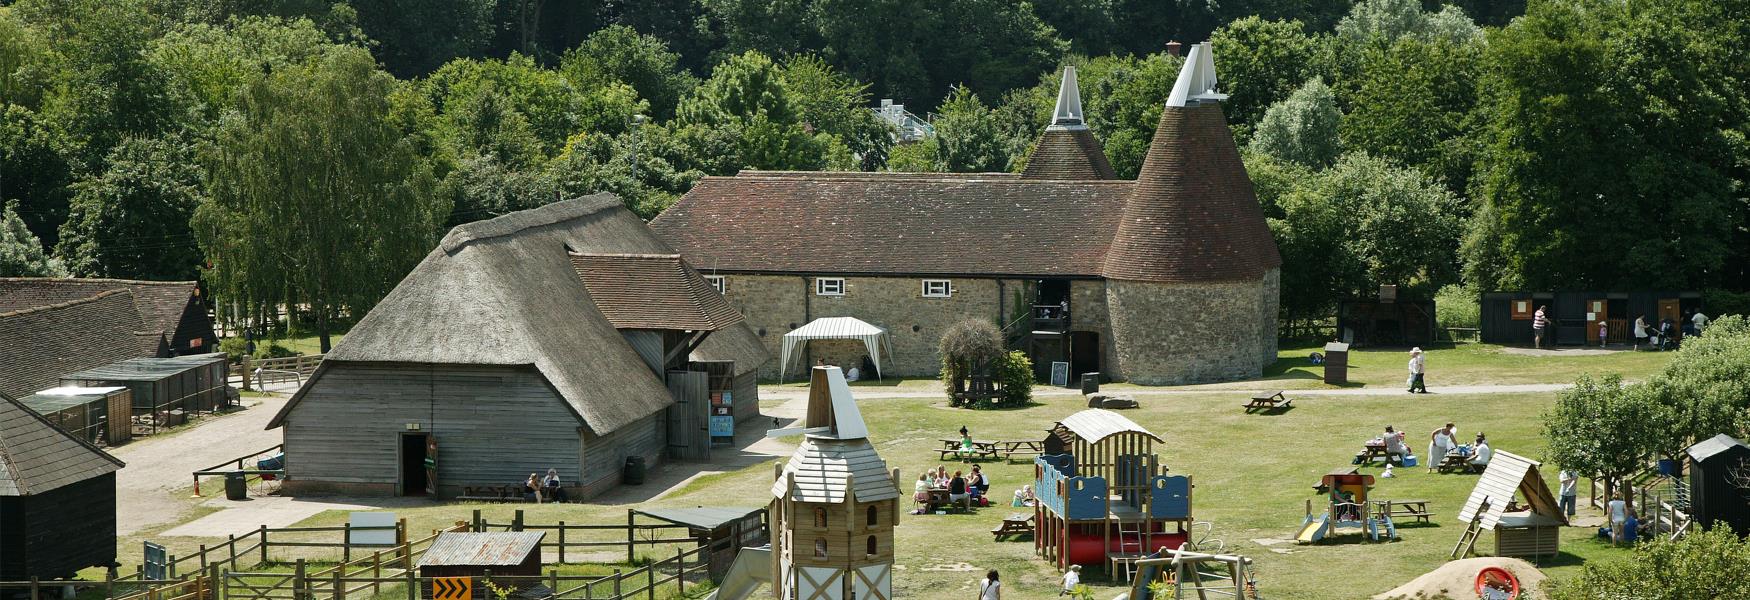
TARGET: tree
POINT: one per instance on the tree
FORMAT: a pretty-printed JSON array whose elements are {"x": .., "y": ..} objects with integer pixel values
[
  {"x": 207, "y": 66},
  {"x": 1302, "y": 128},
  {"x": 417, "y": 36},
  {"x": 25, "y": 67},
  {"x": 34, "y": 170},
  {"x": 1415, "y": 103},
  {"x": 481, "y": 187},
  {"x": 106, "y": 90},
  {"x": 1705, "y": 389},
  {"x": 1598, "y": 428},
  {"x": 1714, "y": 563},
  {"x": 830, "y": 102},
  {"x": 316, "y": 198},
  {"x": 131, "y": 220},
  {"x": 967, "y": 139},
  {"x": 21, "y": 254},
  {"x": 619, "y": 54},
  {"x": 747, "y": 96},
  {"x": 1390, "y": 20},
  {"x": 1261, "y": 62}
]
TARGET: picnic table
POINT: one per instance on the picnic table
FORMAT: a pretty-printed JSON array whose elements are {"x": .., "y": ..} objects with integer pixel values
[
  {"x": 1009, "y": 448},
  {"x": 1319, "y": 486},
  {"x": 1014, "y": 524},
  {"x": 939, "y": 498},
  {"x": 1375, "y": 448},
  {"x": 1415, "y": 509},
  {"x": 1455, "y": 460},
  {"x": 990, "y": 448},
  {"x": 1267, "y": 402}
]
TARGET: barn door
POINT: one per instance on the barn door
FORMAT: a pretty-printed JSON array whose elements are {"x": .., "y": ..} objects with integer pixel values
[
  {"x": 430, "y": 465},
  {"x": 1596, "y": 310},
  {"x": 1669, "y": 309}
]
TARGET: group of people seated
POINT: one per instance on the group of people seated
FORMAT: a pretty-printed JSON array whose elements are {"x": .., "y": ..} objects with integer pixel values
[
  {"x": 967, "y": 489},
  {"x": 544, "y": 489},
  {"x": 1441, "y": 442}
]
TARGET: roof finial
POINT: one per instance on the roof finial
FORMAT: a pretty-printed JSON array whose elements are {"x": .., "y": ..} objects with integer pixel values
[
  {"x": 1068, "y": 114},
  {"x": 1196, "y": 78}
]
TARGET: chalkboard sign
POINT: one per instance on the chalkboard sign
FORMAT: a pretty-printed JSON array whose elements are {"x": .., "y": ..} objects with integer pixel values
[{"x": 1060, "y": 374}]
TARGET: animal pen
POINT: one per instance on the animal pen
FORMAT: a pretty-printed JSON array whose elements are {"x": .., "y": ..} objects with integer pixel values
[
  {"x": 1103, "y": 494},
  {"x": 100, "y": 415},
  {"x": 166, "y": 391}
]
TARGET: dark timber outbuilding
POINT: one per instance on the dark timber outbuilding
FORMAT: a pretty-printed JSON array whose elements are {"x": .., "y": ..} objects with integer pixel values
[
  {"x": 57, "y": 499},
  {"x": 546, "y": 338},
  {"x": 1719, "y": 483}
]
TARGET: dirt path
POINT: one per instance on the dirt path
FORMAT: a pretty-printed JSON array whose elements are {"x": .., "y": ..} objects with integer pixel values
[
  {"x": 158, "y": 466},
  {"x": 787, "y": 394}
]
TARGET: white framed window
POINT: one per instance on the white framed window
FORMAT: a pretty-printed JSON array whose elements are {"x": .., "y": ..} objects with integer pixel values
[
  {"x": 938, "y": 288},
  {"x": 719, "y": 282},
  {"x": 829, "y": 286}
]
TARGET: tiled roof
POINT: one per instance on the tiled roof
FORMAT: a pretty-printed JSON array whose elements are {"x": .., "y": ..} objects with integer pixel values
[
  {"x": 901, "y": 224},
  {"x": 1192, "y": 216},
  {"x": 37, "y": 457},
  {"x": 1068, "y": 154},
  {"x": 652, "y": 291},
  {"x": 170, "y": 307},
  {"x": 46, "y": 342}
]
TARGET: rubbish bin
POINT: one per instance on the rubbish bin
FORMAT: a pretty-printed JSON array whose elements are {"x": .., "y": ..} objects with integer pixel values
[
  {"x": 236, "y": 486},
  {"x": 634, "y": 471},
  {"x": 1337, "y": 363},
  {"x": 1090, "y": 383}
]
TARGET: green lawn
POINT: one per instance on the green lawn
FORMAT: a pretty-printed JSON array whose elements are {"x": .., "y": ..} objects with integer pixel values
[{"x": 1448, "y": 365}]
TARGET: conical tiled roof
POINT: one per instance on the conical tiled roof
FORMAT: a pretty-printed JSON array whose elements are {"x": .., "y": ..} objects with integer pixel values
[
  {"x": 1067, "y": 149},
  {"x": 1192, "y": 216}
]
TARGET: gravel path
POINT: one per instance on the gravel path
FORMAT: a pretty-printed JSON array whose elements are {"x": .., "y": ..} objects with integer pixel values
[
  {"x": 787, "y": 394},
  {"x": 158, "y": 466}
]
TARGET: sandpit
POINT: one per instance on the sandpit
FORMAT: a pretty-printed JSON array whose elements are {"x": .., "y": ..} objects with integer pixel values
[{"x": 1457, "y": 580}]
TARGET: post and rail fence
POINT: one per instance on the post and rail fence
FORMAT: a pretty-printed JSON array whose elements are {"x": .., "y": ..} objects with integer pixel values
[
  {"x": 223, "y": 468},
  {"x": 294, "y": 368}
]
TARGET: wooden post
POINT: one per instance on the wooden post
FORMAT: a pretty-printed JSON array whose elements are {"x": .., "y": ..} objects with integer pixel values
[
  {"x": 631, "y": 554},
  {"x": 300, "y": 584},
  {"x": 170, "y": 566},
  {"x": 263, "y": 544},
  {"x": 478, "y": 527},
  {"x": 553, "y": 580},
  {"x": 214, "y": 582},
  {"x": 231, "y": 546},
  {"x": 616, "y": 584},
  {"x": 680, "y": 577},
  {"x": 346, "y": 543},
  {"x": 203, "y": 557},
  {"x": 376, "y": 572},
  {"x": 517, "y": 523},
  {"x": 650, "y": 580},
  {"x": 561, "y": 544},
  {"x": 246, "y": 372},
  {"x": 35, "y": 591},
  {"x": 339, "y": 586}
]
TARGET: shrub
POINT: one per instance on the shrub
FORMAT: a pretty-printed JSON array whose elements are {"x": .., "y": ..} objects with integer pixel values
[
  {"x": 273, "y": 351},
  {"x": 1014, "y": 371},
  {"x": 234, "y": 348},
  {"x": 1458, "y": 306},
  {"x": 965, "y": 346},
  {"x": 1704, "y": 564},
  {"x": 1717, "y": 303}
]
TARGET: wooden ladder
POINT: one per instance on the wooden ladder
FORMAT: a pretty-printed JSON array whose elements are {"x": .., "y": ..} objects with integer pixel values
[{"x": 1469, "y": 539}]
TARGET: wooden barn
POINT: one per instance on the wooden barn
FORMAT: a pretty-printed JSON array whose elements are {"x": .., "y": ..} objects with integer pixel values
[
  {"x": 1719, "y": 483},
  {"x": 1574, "y": 315},
  {"x": 173, "y": 309},
  {"x": 57, "y": 499},
  {"x": 57, "y": 339},
  {"x": 546, "y": 338},
  {"x": 1531, "y": 529}
]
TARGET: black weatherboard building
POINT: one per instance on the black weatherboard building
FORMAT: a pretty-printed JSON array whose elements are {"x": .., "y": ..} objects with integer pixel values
[
  {"x": 1719, "y": 483},
  {"x": 57, "y": 499},
  {"x": 1574, "y": 316}
]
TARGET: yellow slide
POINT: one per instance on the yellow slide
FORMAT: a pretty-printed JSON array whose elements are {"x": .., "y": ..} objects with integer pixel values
[{"x": 1314, "y": 529}]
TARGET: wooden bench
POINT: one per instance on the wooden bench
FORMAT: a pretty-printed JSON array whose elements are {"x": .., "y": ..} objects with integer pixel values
[
  {"x": 1014, "y": 524},
  {"x": 1414, "y": 509},
  {"x": 1010, "y": 448},
  {"x": 1452, "y": 461},
  {"x": 1271, "y": 401},
  {"x": 980, "y": 449},
  {"x": 492, "y": 493}
]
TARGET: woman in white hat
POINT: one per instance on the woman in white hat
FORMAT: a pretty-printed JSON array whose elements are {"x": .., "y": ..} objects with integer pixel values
[{"x": 1417, "y": 368}]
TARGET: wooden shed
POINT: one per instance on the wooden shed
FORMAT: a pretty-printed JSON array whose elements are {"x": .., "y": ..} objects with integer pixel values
[
  {"x": 100, "y": 415},
  {"x": 498, "y": 553},
  {"x": 724, "y": 530},
  {"x": 1719, "y": 483},
  {"x": 186, "y": 383},
  {"x": 1574, "y": 315},
  {"x": 1534, "y": 530},
  {"x": 57, "y": 499}
]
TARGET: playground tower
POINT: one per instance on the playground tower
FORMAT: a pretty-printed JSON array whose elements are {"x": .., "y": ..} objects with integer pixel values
[
  {"x": 1103, "y": 495},
  {"x": 834, "y": 504},
  {"x": 1192, "y": 249}
]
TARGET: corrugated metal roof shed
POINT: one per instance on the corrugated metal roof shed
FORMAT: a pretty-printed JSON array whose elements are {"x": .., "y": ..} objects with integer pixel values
[
  {"x": 1096, "y": 424},
  {"x": 489, "y": 549},
  {"x": 701, "y": 517},
  {"x": 143, "y": 369},
  {"x": 1707, "y": 448}
]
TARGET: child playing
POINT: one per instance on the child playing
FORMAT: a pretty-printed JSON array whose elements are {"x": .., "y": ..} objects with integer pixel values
[{"x": 1603, "y": 334}]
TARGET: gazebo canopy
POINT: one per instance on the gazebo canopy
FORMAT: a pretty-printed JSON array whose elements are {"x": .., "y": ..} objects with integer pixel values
[{"x": 836, "y": 328}]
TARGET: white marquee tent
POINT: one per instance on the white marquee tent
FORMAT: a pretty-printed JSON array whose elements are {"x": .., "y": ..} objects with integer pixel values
[{"x": 837, "y": 328}]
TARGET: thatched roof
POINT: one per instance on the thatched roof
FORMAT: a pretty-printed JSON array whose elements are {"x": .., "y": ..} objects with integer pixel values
[
  {"x": 37, "y": 457},
  {"x": 504, "y": 292},
  {"x": 738, "y": 343},
  {"x": 49, "y": 341}
]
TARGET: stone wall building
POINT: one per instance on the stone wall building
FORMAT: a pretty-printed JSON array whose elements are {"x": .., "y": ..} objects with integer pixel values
[{"x": 1170, "y": 278}]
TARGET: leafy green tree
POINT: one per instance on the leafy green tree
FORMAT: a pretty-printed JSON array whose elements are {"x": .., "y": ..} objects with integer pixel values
[
  {"x": 747, "y": 95},
  {"x": 619, "y": 54},
  {"x": 1394, "y": 19},
  {"x": 316, "y": 197},
  {"x": 207, "y": 66},
  {"x": 1416, "y": 103},
  {"x": 1598, "y": 428},
  {"x": 1703, "y": 564},
  {"x": 770, "y": 27},
  {"x": 1261, "y": 62},
  {"x": 991, "y": 46},
  {"x": 21, "y": 253},
  {"x": 1705, "y": 389},
  {"x": 131, "y": 220},
  {"x": 967, "y": 139},
  {"x": 481, "y": 188},
  {"x": 417, "y": 36},
  {"x": 1274, "y": 180},
  {"x": 519, "y": 110},
  {"x": 34, "y": 170},
  {"x": 25, "y": 62},
  {"x": 919, "y": 157},
  {"x": 1302, "y": 128},
  {"x": 683, "y": 24},
  {"x": 882, "y": 42},
  {"x": 106, "y": 89},
  {"x": 831, "y": 102},
  {"x": 648, "y": 168}
]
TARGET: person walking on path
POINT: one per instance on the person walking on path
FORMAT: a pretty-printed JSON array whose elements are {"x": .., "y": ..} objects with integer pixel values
[
  {"x": 1539, "y": 322},
  {"x": 1618, "y": 509},
  {"x": 1640, "y": 332},
  {"x": 1418, "y": 368},
  {"x": 1569, "y": 481},
  {"x": 1440, "y": 442}
]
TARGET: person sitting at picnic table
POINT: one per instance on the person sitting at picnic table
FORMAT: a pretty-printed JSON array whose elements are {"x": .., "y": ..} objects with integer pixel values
[
  {"x": 941, "y": 479},
  {"x": 1440, "y": 442},
  {"x": 1394, "y": 444},
  {"x": 920, "y": 493},
  {"x": 966, "y": 448},
  {"x": 957, "y": 489},
  {"x": 1024, "y": 496},
  {"x": 532, "y": 489},
  {"x": 1482, "y": 453},
  {"x": 980, "y": 480},
  {"x": 551, "y": 486}
]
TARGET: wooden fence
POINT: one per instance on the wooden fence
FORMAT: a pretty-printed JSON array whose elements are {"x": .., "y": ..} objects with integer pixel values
[
  {"x": 573, "y": 536},
  {"x": 295, "y": 368}
]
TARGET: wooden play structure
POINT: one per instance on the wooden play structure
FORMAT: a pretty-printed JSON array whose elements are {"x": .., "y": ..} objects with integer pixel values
[
  {"x": 1348, "y": 509},
  {"x": 1104, "y": 497},
  {"x": 834, "y": 504},
  {"x": 1532, "y": 530},
  {"x": 1189, "y": 574}
]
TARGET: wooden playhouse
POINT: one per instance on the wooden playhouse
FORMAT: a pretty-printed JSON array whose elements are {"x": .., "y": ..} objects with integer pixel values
[
  {"x": 1532, "y": 531},
  {"x": 1104, "y": 495}
]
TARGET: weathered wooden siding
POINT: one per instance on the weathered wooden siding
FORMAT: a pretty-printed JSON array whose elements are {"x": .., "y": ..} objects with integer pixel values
[
  {"x": 493, "y": 425},
  {"x": 604, "y": 457},
  {"x": 59, "y": 532}
]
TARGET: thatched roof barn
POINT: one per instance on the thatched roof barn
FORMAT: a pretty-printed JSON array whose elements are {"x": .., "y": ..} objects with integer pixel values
[{"x": 496, "y": 358}]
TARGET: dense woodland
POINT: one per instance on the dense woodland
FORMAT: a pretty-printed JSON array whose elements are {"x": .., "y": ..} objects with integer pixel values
[{"x": 309, "y": 152}]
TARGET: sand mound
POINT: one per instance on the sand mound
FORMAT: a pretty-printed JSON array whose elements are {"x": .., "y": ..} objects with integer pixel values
[{"x": 1457, "y": 580}]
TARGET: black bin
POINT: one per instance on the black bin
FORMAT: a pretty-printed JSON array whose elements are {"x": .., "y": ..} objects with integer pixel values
[
  {"x": 236, "y": 485},
  {"x": 1090, "y": 383},
  {"x": 1336, "y": 363},
  {"x": 634, "y": 474}
]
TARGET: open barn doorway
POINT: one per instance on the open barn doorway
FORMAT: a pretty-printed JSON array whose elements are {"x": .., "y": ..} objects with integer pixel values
[{"x": 415, "y": 462}]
